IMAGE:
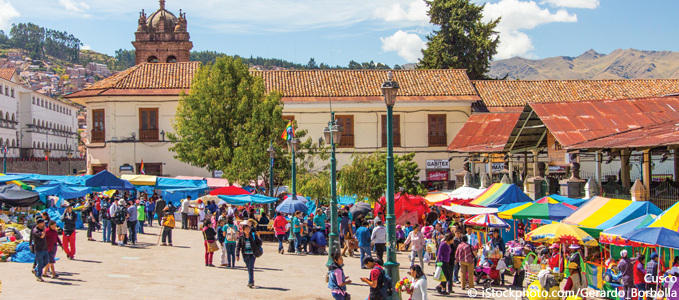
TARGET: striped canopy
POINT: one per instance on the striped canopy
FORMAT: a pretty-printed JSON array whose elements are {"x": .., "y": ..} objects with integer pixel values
[
  {"x": 614, "y": 235},
  {"x": 561, "y": 233},
  {"x": 545, "y": 209},
  {"x": 499, "y": 193},
  {"x": 668, "y": 219},
  {"x": 487, "y": 220},
  {"x": 603, "y": 213}
]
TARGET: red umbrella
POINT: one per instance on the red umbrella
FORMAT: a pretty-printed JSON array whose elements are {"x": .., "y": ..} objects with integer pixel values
[{"x": 229, "y": 191}]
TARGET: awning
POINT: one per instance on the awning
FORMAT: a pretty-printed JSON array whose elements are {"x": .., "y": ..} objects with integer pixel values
[
  {"x": 466, "y": 192},
  {"x": 140, "y": 179},
  {"x": 163, "y": 183},
  {"x": 470, "y": 210},
  {"x": 13, "y": 195},
  {"x": 499, "y": 193},
  {"x": 107, "y": 181},
  {"x": 485, "y": 133},
  {"x": 245, "y": 199}
]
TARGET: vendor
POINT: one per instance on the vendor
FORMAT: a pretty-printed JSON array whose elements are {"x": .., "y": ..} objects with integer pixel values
[
  {"x": 555, "y": 258},
  {"x": 497, "y": 241},
  {"x": 575, "y": 255},
  {"x": 575, "y": 283}
]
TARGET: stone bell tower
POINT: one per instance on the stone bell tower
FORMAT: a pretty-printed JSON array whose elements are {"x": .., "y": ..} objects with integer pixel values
[{"x": 162, "y": 37}]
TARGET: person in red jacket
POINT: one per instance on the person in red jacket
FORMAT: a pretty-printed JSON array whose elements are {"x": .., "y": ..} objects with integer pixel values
[
  {"x": 639, "y": 274},
  {"x": 52, "y": 238},
  {"x": 555, "y": 258},
  {"x": 279, "y": 224}
]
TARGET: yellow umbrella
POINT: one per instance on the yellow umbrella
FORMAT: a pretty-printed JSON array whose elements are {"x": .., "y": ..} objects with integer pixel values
[{"x": 561, "y": 233}]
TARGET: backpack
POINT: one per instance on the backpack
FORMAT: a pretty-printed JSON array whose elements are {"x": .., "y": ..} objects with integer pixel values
[
  {"x": 385, "y": 284},
  {"x": 104, "y": 212},
  {"x": 119, "y": 217},
  {"x": 231, "y": 234},
  {"x": 332, "y": 281},
  {"x": 257, "y": 250}
]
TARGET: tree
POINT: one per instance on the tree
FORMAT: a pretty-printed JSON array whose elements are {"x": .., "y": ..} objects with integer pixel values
[
  {"x": 227, "y": 121},
  {"x": 311, "y": 65},
  {"x": 463, "y": 40},
  {"x": 124, "y": 59},
  {"x": 315, "y": 186},
  {"x": 366, "y": 175}
]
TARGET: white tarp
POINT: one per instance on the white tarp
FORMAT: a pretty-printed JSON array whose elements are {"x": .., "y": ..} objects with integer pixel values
[
  {"x": 466, "y": 192},
  {"x": 469, "y": 210}
]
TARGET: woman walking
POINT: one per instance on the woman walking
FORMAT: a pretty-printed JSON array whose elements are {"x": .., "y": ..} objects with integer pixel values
[
  {"x": 249, "y": 245},
  {"x": 419, "y": 287},
  {"x": 210, "y": 235},
  {"x": 279, "y": 227},
  {"x": 417, "y": 242},
  {"x": 230, "y": 238},
  {"x": 337, "y": 282},
  {"x": 445, "y": 252},
  {"x": 52, "y": 238}
]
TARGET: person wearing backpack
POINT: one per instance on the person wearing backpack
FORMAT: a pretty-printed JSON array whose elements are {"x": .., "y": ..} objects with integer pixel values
[
  {"x": 120, "y": 219},
  {"x": 337, "y": 282},
  {"x": 380, "y": 283},
  {"x": 221, "y": 239},
  {"x": 230, "y": 231},
  {"x": 250, "y": 246},
  {"x": 105, "y": 220}
]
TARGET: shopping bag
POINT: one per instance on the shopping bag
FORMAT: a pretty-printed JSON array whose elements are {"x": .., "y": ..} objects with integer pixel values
[
  {"x": 438, "y": 274},
  {"x": 426, "y": 257}
]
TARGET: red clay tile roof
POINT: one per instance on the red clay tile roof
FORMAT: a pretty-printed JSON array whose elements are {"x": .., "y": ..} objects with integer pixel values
[
  {"x": 366, "y": 83},
  {"x": 7, "y": 73},
  {"x": 496, "y": 93},
  {"x": 580, "y": 122},
  {"x": 151, "y": 76},
  {"x": 485, "y": 133}
]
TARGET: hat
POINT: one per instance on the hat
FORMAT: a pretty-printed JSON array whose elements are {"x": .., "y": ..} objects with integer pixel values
[
  {"x": 572, "y": 265},
  {"x": 398, "y": 226},
  {"x": 121, "y": 202},
  {"x": 623, "y": 253},
  {"x": 574, "y": 247},
  {"x": 200, "y": 201},
  {"x": 527, "y": 248},
  {"x": 654, "y": 255},
  {"x": 137, "y": 202},
  {"x": 40, "y": 221},
  {"x": 554, "y": 246},
  {"x": 65, "y": 204}
]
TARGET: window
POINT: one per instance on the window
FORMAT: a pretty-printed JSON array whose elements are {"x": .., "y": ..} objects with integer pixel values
[
  {"x": 33, "y": 144},
  {"x": 6, "y": 91},
  {"x": 150, "y": 168},
  {"x": 396, "y": 131},
  {"x": 49, "y": 106},
  {"x": 171, "y": 59},
  {"x": 148, "y": 124},
  {"x": 34, "y": 100},
  {"x": 98, "y": 127},
  {"x": 347, "y": 123},
  {"x": 12, "y": 97},
  {"x": 152, "y": 59},
  {"x": 437, "y": 131}
]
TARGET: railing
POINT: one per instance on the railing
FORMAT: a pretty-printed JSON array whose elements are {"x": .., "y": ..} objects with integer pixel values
[
  {"x": 396, "y": 141},
  {"x": 664, "y": 194},
  {"x": 347, "y": 141},
  {"x": 148, "y": 135},
  {"x": 437, "y": 141},
  {"x": 98, "y": 136}
]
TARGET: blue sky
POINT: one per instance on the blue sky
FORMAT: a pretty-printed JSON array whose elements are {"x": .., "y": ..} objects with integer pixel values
[{"x": 337, "y": 31}]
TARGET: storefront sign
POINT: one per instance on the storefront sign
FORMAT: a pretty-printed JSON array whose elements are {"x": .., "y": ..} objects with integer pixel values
[
  {"x": 497, "y": 167},
  {"x": 438, "y": 164},
  {"x": 126, "y": 167},
  {"x": 557, "y": 154},
  {"x": 437, "y": 176},
  {"x": 217, "y": 174}
]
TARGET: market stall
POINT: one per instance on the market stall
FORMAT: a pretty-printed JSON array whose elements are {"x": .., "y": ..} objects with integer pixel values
[
  {"x": 601, "y": 213},
  {"x": 499, "y": 193},
  {"x": 465, "y": 192},
  {"x": 406, "y": 208},
  {"x": 543, "y": 209}
]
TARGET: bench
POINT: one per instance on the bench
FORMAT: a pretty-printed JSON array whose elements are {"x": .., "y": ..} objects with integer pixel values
[{"x": 269, "y": 235}]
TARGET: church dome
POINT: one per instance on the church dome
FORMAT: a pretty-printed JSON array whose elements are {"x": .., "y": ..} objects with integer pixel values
[{"x": 155, "y": 18}]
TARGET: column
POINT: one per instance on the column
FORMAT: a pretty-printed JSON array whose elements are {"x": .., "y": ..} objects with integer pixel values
[
  {"x": 598, "y": 170},
  {"x": 647, "y": 172},
  {"x": 625, "y": 169}
]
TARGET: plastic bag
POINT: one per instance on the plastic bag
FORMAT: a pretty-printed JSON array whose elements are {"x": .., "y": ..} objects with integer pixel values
[
  {"x": 438, "y": 274},
  {"x": 426, "y": 258}
]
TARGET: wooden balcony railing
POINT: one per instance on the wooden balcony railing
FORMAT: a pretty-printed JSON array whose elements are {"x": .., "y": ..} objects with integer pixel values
[
  {"x": 437, "y": 141},
  {"x": 98, "y": 136},
  {"x": 148, "y": 135},
  {"x": 396, "y": 140},
  {"x": 347, "y": 141}
]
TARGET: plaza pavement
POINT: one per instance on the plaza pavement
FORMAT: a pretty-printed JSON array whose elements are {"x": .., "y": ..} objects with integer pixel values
[{"x": 147, "y": 271}]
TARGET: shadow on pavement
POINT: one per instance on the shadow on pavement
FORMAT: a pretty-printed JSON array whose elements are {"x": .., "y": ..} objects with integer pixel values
[
  {"x": 87, "y": 261},
  {"x": 272, "y": 288},
  {"x": 267, "y": 269},
  {"x": 66, "y": 274}
]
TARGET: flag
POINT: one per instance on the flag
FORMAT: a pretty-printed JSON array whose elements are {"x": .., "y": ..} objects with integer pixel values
[
  {"x": 4, "y": 148},
  {"x": 289, "y": 132},
  {"x": 141, "y": 168}
]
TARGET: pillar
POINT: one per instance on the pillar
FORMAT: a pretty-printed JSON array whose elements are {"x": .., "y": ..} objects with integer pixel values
[
  {"x": 571, "y": 187},
  {"x": 472, "y": 167},
  {"x": 525, "y": 172},
  {"x": 464, "y": 177},
  {"x": 591, "y": 188},
  {"x": 625, "y": 169},
  {"x": 647, "y": 172},
  {"x": 485, "y": 181},
  {"x": 598, "y": 169},
  {"x": 511, "y": 169},
  {"x": 676, "y": 164},
  {"x": 536, "y": 173},
  {"x": 490, "y": 167},
  {"x": 536, "y": 184},
  {"x": 638, "y": 191}
]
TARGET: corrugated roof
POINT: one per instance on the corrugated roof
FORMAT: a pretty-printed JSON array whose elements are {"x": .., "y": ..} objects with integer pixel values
[
  {"x": 580, "y": 122},
  {"x": 500, "y": 93},
  {"x": 666, "y": 134},
  {"x": 484, "y": 133},
  {"x": 7, "y": 73}
]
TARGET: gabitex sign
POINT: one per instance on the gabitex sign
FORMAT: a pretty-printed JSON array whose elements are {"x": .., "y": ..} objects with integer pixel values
[{"x": 438, "y": 164}]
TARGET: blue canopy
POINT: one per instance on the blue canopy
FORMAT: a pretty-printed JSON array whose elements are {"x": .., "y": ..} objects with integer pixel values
[
  {"x": 312, "y": 207},
  {"x": 107, "y": 181},
  {"x": 346, "y": 200},
  {"x": 163, "y": 183},
  {"x": 659, "y": 236},
  {"x": 6, "y": 178},
  {"x": 68, "y": 180},
  {"x": 145, "y": 188},
  {"x": 571, "y": 201},
  {"x": 176, "y": 197},
  {"x": 245, "y": 199},
  {"x": 290, "y": 206},
  {"x": 62, "y": 190}
]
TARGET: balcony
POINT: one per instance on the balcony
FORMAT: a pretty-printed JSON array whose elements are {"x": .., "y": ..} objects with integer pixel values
[
  {"x": 396, "y": 140},
  {"x": 98, "y": 136},
  {"x": 437, "y": 140},
  {"x": 347, "y": 141},
  {"x": 148, "y": 135}
]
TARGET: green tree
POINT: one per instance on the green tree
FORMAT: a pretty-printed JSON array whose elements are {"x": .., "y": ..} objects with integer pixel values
[
  {"x": 315, "y": 186},
  {"x": 463, "y": 40},
  {"x": 124, "y": 59},
  {"x": 227, "y": 121},
  {"x": 366, "y": 175},
  {"x": 311, "y": 65}
]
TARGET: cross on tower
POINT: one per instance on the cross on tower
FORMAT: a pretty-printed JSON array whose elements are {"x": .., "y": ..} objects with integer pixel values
[{"x": 162, "y": 4}]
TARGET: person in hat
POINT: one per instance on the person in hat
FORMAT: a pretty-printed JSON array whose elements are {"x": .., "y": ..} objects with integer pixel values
[
  {"x": 39, "y": 248},
  {"x": 69, "y": 218},
  {"x": 555, "y": 258},
  {"x": 627, "y": 270},
  {"x": 652, "y": 270},
  {"x": 576, "y": 282},
  {"x": 201, "y": 210},
  {"x": 317, "y": 242}
]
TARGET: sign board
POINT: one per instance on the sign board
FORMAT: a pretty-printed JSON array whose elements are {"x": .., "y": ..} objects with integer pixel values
[
  {"x": 126, "y": 167},
  {"x": 437, "y": 176},
  {"x": 217, "y": 174},
  {"x": 438, "y": 164},
  {"x": 557, "y": 154},
  {"x": 497, "y": 167}
]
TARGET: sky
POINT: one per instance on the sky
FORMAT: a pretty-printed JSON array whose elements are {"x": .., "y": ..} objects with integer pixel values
[{"x": 338, "y": 31}]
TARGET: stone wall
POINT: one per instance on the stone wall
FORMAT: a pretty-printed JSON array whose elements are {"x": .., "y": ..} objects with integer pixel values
[{"x": 39, "y": 166}]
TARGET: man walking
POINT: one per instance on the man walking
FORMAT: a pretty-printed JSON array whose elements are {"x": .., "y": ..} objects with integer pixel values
[
  {"x": 160, "y": 206},
  {"x": 68, "y": 238},
  {"x": 363, "y": 236},
  {"x": 465, "y": 256},
  {"x": 379, "y": 239},
  {"x": 106, "y": 220},
  {"x": 185, "y": 212},
  {"x": 40, "y": 248},
  {"x": 111, "y": 213},
  {"x": 132, "y": 222},
  {"x": 150, "y": 210},
  {"x": 627, "y": 270}
]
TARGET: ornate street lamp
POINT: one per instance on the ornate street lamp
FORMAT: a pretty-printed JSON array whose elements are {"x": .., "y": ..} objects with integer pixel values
[
  {"x": 47, "y": 153},
  {"x": 272, "y": 154},
  {"x": 70, "y": 156},
  {"x": 389, "y": 90},
  {"x": 293, "y": 146},
  {"x": 333, "y": 135}
]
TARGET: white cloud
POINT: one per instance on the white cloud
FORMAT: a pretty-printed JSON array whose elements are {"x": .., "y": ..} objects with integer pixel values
[
  {"x": 520, "y": 15},
  {"x": 416, "y": 11},
  {"x": 591, "y": 4},
  {"x": 73, "y": 6},
  {"x": 407, "y": 45},
  {"x": 86, "y": 47},
  {"x": 7, "y": 13}
]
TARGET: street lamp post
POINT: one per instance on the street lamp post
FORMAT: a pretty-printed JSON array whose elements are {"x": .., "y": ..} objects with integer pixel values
[
  {"x": 293, "y": 145},
  {"x": 4, "y": 157},
  {"x": 272, "y": 154},
  {"x": 333, "y": 135},
  {"x": 389, "y": 90},
  {"x": 47, "y": 158},
  {"x": 69, "y": 155}
]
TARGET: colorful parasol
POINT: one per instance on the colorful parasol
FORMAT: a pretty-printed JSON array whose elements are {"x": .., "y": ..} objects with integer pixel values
[
  {"x": 654, "y": 236},
  {"x": 614, "y": 235},
  {"x": 561, "y": 233},
  {"x": 487, "y": 220}
]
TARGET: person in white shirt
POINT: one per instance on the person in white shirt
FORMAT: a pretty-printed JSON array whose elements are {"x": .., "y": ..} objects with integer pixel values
[
  {"x": 472, "y": 238},
  {"x": 185, "y": 212},
  {"x": 379, "y": 238},
  {"x": 111, "y": 212},
  {"x": 419, "y": 286}
]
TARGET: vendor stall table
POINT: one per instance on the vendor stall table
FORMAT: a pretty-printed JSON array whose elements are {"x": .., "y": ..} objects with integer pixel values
[{"x": 193, "y": 222}]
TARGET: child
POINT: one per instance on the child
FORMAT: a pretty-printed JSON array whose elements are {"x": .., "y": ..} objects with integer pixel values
[
  {"x": 168, "y": 225},
  {"x": 52, "y": 238}
]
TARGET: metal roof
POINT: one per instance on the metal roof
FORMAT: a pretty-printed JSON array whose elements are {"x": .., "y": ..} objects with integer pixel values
[
  {"x": 666, "y": 134},
  {"x": 484, "y": 133}
]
